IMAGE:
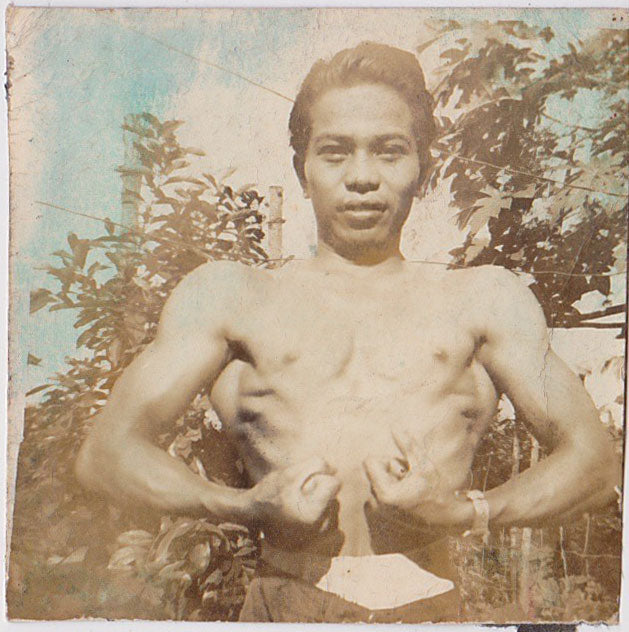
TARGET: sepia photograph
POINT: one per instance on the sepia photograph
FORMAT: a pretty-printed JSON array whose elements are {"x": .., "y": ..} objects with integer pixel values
[{"x": 317, "y": 315}]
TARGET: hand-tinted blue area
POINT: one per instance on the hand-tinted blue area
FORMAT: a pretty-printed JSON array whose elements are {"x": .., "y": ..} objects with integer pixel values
[{"x": 91, "y": 69}]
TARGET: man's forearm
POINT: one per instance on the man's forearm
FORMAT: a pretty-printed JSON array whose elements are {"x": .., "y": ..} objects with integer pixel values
[
  {"x": 567, "y": 483},
  {"x": 140, "y": 472},
  {"x": 561, "y": 484}
]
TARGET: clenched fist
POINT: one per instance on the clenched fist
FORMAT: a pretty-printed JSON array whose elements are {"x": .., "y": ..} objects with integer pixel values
[
  {"x": 289, "y": 504},
  {"x": 411, "y": 485}
]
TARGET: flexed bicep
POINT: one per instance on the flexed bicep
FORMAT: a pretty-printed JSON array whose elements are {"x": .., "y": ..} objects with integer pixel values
[
  {"x": 188, "y": 353},
  {"x": 157, "y": 386},
  {"x": 582, "y": 467},
  {"x": 120, "y": 456},
  {"x": 519, "y": 357}
]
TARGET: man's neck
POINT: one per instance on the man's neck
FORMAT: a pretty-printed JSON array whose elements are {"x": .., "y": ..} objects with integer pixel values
[{"x": 384, "y": 262}]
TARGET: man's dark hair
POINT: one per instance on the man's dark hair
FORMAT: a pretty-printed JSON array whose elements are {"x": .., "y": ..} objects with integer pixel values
[{"x": 366, "y": 63}]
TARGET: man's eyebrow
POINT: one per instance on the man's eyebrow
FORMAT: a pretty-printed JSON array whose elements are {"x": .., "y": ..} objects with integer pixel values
[
  {"x": 381, "y": 138},
  {"x": 335, "y": 137},
  {"x": 384, "y": 138}
]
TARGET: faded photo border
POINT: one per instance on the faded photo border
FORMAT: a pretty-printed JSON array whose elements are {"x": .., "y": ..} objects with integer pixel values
[{"x": 51, "y": 236}]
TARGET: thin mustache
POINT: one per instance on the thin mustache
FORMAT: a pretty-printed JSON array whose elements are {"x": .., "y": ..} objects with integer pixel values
[{"x": 363, "y": 206}]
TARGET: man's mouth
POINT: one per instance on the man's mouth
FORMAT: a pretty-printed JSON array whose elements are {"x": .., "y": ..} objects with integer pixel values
[
  {"x": 353, "y": 207},
  {"x": 363, "y": 214}
]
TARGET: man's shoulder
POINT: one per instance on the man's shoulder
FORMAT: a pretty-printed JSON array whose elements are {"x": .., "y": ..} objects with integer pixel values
[
  {"x": 473, "y": 281},
  {"x": 221, "y": 273},
  {"x": 489, "y": 292},
  {"x": 488, "y": 278},
  {"x": 500, "y": 298},
  {"x": 211, "y": 289}
]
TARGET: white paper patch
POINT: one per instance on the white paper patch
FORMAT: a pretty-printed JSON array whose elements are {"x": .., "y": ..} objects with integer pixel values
[{"x": 380, "y": 582}]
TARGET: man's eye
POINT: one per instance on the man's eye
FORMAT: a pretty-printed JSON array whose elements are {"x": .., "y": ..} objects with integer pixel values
[
  {"x": 333, "y": 153},
  {"x": 392, "y": 152}
]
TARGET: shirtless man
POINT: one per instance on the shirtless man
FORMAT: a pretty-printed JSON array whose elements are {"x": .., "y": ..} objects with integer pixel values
[{"x": 356, "y": 386}]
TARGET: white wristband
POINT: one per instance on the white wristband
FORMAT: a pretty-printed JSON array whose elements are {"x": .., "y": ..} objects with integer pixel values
[{"x": 480, "y": 526}]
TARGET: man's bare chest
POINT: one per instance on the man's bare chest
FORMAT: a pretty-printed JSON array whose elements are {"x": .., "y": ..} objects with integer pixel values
[
  {"x": 333, "y": 372},
  {"x": 355, "y": 341}
]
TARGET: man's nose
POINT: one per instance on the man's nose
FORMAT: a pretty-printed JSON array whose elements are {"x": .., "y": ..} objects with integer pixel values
[{"x": 361, "y": 175}]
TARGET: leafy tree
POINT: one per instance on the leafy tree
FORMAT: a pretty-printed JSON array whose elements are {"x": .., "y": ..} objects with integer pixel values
[
  {"x": 537, "y": 194},
  {"x": 116, "y": 285}
]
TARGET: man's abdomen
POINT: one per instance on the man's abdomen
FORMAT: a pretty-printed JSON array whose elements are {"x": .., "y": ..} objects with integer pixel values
[{"x": 272, "y": 433}]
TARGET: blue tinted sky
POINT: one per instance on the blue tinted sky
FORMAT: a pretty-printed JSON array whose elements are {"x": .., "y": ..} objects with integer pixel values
[{"x": 78, "y": 73}]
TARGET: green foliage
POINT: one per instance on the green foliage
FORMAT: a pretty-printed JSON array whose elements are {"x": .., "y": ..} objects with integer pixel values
[
  {"x": 545, "y": 196},
  {"x": 493, "y": 575},
  {"x": 565, "y": 573}
]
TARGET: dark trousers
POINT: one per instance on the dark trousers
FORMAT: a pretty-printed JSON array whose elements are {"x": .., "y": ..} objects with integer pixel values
[
  {"x": 274, "y": 596},
  {"x": 295, "y": 601}
]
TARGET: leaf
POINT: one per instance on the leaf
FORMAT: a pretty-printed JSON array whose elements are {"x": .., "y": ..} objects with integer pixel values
[
  {"x": 246, "y": 550},
  {"x": 115, "y": 351},
  {"x": 135, "y": 129},
  {"x": 453, "y": 55},
  {"x": 84, "y": 338},
  {"x": 209, "y": 597},
  {"x": 211, "y": 179},
  {"x": 95, "y": 267},
  {"x": 33, "y": 360},
  {"x": 60, "y": 306},
  {"x": 179, "y": 164},
  {"x": 422, "y": 47},
  {"x": 123, "y": 558},
  {"x": 214, "y": 578},
  {"x": 37, "y": 389},
  {"x": 65, "y": 256},
  {"x": 153, "y": 120},
  {"x": 133, "y": 171},
  {"x": 80, "y": 248},
  {"x": 194, "y": 150},
  {"x": 130, "y": 194},
  {"x": 136, "y": 537},
  {"x": 168, "y": 127},
  {"x": 169, "y": 571},
  {"x": 109, "y": 226},
  {"x": 39, "y": 299},
  {"x": 232, "y": 526},
  {"x": 200, "y": 556},
  {"x": 175, "y": 179}
]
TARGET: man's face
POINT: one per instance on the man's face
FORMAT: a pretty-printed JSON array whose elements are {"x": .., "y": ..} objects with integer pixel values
[{"x": 361, "y": 169}]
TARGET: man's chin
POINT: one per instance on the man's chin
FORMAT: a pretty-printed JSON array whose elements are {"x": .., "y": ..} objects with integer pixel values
[
  {"x": 362, "y": 220},
  {"x": 358, "y": 243}
]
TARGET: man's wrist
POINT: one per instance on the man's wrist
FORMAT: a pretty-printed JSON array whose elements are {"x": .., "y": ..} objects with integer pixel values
[
  {"x": 248, "y": 507},
  {"x": 456, "y": 514},
  {"x": 469, "y": 514},
  {"x": 463, "y": 513},
  {"x": 231, "y": 504}
]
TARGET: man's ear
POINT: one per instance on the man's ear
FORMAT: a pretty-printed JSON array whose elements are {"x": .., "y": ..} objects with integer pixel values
[
  {"x": 298, "y": 165},
  {"x": 425, "y": 172},
  {"x": 420, "y": 191}
]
